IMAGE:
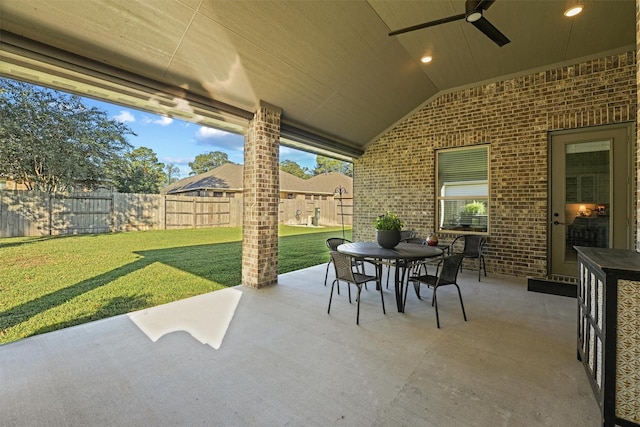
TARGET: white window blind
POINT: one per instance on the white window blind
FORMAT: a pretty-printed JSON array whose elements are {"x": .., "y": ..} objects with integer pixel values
[{"x": 462, "y": 199}]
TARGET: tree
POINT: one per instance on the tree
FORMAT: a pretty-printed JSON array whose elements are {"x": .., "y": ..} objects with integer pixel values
[
  {"x": 205, "y": 162},
  {"x": 171, "y": 173},
  {"x": 141, "y": 172},
  {"x": 50, "y": 141},
  {"x": 327, "y": 164},
  {"x": 293, "y": 168}
]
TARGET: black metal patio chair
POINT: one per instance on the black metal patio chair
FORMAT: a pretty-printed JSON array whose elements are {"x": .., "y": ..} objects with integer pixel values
[
  {"x": 473, "y": 248},
  {"x": 333, "y": 243},
  {"x": 446, "y": 274},
  {"x": 343, "y": 265}
]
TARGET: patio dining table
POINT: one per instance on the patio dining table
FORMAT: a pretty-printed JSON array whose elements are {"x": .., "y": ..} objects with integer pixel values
[{"x": 401, "y": 256}]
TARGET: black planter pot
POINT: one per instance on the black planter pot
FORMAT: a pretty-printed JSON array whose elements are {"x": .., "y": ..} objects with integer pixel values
[
  {"x": 466, "y": 219},
  {"x": 388, "y": 239}
]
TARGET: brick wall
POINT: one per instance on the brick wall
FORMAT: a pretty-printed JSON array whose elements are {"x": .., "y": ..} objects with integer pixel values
[{"x": 514, "y": 116}]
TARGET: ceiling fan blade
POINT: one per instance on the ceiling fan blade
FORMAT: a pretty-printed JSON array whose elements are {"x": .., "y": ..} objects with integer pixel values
[
  {"x": 472, "y": 7},
  {"x": 485, "y": 4},
  {"x": 427, "y": 24},
  {"x": 490, "y": 31}
]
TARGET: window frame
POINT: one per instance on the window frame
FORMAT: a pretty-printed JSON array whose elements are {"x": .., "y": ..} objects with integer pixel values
[{"x": 439, "y": 199}]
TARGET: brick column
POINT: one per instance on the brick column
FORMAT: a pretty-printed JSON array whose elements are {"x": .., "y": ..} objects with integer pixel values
[{"x": 261, "y": 194}]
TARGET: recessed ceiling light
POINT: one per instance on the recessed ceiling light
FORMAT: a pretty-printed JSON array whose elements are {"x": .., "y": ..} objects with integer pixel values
[
  {"x": 573, "y": 11},
  {"x": 426, "y": 59}
]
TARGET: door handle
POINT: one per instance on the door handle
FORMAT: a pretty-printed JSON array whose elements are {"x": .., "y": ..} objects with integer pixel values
[{"x": 558, "y": 223}]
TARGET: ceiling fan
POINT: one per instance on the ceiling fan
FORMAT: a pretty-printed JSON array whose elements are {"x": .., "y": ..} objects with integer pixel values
[{"x": 473, "y": 14}]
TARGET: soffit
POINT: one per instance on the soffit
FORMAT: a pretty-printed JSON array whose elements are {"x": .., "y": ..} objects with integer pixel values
[{"x": 330, "y": 66}]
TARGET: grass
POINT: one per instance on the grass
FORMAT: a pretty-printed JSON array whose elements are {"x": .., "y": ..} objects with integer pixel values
[{"x": 51, "y": 283}]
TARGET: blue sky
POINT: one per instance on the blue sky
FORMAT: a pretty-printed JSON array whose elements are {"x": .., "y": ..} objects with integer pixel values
[{"x": 179, "y": 142}]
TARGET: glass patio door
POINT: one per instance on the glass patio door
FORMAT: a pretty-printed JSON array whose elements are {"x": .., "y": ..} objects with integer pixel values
[{"x": 589, "y": 194}]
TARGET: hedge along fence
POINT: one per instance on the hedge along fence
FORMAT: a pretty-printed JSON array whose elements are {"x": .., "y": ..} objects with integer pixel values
[{"x": 33, "y": 213}]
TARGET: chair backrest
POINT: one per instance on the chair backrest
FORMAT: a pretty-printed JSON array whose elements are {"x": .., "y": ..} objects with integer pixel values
[
  {"x": 334, "y": 242},
  {"x": 342, "y": 263},
  {"x": 407, "y": 234},
  {"x": 449, "y": 268},
  {"x": 473, "y": 244}
]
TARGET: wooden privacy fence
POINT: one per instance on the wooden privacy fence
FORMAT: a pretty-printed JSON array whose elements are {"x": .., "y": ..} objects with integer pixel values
[
  {"x": 316, "y": 212},
  {"x": 33, "y": 213},
  {"x": 193, "y": 212}
]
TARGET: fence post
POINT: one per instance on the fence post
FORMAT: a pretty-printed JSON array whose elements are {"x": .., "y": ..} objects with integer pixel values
[
  {"x": 163, "y": 211},
  {"x": 50, "y": 210},
  {"x": 112, "y": 213},
  {"x": 194, "y": 213}
]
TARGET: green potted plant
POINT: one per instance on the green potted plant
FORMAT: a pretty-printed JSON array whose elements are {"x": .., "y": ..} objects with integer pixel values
[
  {"x": 388, "y": 228},
  {"x": 470, "y": 210}
]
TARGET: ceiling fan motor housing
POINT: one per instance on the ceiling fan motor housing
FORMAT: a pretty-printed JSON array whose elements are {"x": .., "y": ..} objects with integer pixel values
[{"x": 473, "y": 10}]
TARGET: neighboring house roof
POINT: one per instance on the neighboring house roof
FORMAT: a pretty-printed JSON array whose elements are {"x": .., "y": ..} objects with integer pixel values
[
  {"x": 227, "y": 176},
  {"x": 330, "y": 182},
  {"x": 230, "y": 177},
  {"x": 292, "y": 184}
]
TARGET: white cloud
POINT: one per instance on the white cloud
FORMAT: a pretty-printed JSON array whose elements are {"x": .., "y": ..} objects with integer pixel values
[
  {"x": 205, "y": 133},
  {"x": 177, "y": 160},
  {"x": 163, "y": 121},
  {"x": 124, "y": 117},
  {"x": 220, "y": 140}
]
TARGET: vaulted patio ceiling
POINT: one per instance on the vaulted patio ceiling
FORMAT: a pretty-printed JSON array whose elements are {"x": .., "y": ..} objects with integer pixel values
[{"x": 330, "y": 65}]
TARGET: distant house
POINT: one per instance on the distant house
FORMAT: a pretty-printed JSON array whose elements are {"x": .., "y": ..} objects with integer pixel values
[
  {"x": 227, "y": 181},
  {"x": 334, "y": 183},
  {"x": 8, "y": 184}
]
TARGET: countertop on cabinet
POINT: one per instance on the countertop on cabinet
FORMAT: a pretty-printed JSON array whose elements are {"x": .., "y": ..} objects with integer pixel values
[{"x": 612, "y": 259}]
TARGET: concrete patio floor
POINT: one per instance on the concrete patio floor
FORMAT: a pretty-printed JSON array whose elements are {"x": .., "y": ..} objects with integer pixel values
[{"x": 284, "y": 361}]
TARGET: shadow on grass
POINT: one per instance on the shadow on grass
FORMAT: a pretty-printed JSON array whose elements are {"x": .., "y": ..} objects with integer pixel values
[
  {"x": 27, "y": 310},
  {"x": 220, "y": 263}
]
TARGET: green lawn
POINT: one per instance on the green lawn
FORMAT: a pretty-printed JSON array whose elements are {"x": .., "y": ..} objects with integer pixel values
[{"x": 54, "y": 282}]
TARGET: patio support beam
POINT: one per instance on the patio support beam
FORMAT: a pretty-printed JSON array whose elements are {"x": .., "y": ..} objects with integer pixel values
[{"x": 261, "y": 198}]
